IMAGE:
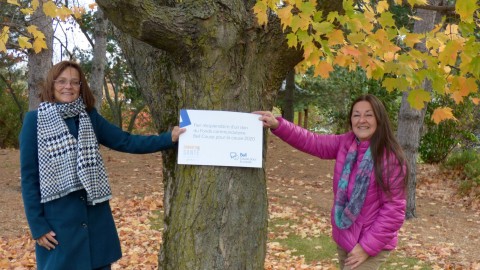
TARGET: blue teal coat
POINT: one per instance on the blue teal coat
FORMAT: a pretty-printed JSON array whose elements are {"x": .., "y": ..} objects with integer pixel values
[{"x": 86, "y": 234}]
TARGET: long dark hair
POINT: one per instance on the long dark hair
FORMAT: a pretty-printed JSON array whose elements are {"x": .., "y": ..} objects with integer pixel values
[
  {"x": 383, "y": 144},
  {"x": 46, "y": 93}
]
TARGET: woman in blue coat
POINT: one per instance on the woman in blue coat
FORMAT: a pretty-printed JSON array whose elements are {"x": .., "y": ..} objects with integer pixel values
[{"x": 65, "y": 188}]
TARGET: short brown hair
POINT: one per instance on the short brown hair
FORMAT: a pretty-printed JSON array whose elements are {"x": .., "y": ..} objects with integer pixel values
[{"x": 46, "y": 93}]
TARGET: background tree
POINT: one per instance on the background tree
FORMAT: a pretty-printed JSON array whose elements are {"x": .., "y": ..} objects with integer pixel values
[
  {"x": 332, "y": 96},
  {"x": 411, "y": 119}
]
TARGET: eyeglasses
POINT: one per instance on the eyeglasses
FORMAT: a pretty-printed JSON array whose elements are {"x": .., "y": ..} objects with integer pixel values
[{"x": 63, "y": 83}]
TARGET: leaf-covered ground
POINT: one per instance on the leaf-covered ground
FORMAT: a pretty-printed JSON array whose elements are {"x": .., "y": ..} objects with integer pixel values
[{"x": 445, "y": 234}]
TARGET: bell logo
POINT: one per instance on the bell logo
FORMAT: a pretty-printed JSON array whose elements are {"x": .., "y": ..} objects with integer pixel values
[{"x": 243, "y": 154}]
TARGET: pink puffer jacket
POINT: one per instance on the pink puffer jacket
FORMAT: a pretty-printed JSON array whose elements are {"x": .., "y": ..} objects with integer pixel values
[{"x": 381, "y": 217}]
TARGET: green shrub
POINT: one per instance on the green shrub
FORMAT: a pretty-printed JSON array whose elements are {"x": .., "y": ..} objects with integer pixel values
[
  {"x": 10, "y": 120},
  {"x": 468, "y": 162}
]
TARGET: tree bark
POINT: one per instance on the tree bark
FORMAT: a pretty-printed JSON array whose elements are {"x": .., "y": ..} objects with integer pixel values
[
  {"x": 97, "y": 76},
  {"x": 305, "y": 118},
  {"x": 410, "y": 121},
  {"x": 206, "y": 55},
  {"x": 39, "y": 63},
  {"x": 288, "y": 111}
]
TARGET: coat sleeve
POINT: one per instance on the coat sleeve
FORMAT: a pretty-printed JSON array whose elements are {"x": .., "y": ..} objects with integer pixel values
[
  {"x": 113, "y": 137},
  {"x": 391, "y": 214},
  {"x": 322, "y": 146},
  {"x": 30, "y": 178}
]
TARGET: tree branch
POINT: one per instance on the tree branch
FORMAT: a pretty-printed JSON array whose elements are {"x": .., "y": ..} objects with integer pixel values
[
  {"x": 442, "y": 9},
  {"x": 164, "y": 27}
]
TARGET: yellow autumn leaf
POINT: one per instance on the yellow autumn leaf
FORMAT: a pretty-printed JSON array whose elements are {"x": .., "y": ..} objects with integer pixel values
[
  {"x": 24, "y": 43},
  {"x": 421, "y": 2},
  {"x": 323, "y": 69},
  {"x": 417, "y": 98},
  {"x": 285, "y": 15},
  {"x": 415, "y": 18},
  {"x": 450, "y": 53},
  {"x": 92, "y": 6},
  {"x": 411, "y": 39},
  {"x": 304, "y": 22},
  {"x": 292, "y": 40},
  {"x": 315, "y": 57},
  {"x": 308, "y": 48},
  {"x": 39, "y": 44},
  {"x": 260, "y": 10},
  {"x": 382, "y": 6},
  {"x": 35, "y": 4},
  {"x": 475, "y": 101},
  {"x": 441, "y": 114},
  {"x": 13, "y": 2},
  {"x": 35, "y": 32},
  {"x": 78, "y": 11},
  {"x": 350, "y": 50},
  {"x": 50, "y": 9},
  {"x": 27, "y": 11},
  {"x": 466, "y": 8},
  {"x": 342, "y": 60},
  {"x": 63, "y": 13},
  {"x": 335, "y": 38},
  {"x": 4, "y": 39}
]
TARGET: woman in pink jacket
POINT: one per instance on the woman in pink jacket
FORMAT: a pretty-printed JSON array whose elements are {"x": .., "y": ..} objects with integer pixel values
[{"x": 369, "y": 182}]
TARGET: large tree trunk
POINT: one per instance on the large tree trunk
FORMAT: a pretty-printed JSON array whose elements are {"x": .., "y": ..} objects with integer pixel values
[
  {"x": 410, "y": 121},
  {"x": 97, "y": 77},
  {"x": 206, "y": 55},
  {"x": 39, "y": 63}
]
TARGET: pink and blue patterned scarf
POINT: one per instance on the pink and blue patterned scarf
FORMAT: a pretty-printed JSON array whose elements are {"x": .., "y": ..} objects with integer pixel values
[{"x": 347, "y": 211}]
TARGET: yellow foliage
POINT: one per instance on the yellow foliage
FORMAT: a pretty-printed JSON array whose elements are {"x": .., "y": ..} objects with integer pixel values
[
  {"x": 4, "y": 39},
  {"x": 35, "y": 4},
  {"x": 24, "y": 43},
  {"x": 441, "y": 114},
  {"x": 285, "y": 15},
  {"x": 78, "y": 12},
  {"x": 39, "y": 39},
  {"x": 63, "y": 13},
  {"x": 382, "y": 6},
  {"x": 27, "y": 11},
  {"x": 370, "y": 39},
  {"x": 13, "y": 2},
  {"x": 466, "y": 9},
  {"x": 335, "y": 38},
  {"x": 92, "y": 6},
  {"x": 50, "y": 9},
  {"x": 417, "y": 98},
  {"x": 323, "y": 69}
]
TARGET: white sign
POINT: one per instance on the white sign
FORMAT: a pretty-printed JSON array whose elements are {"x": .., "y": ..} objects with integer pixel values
[{"x": 220, "y": 138}]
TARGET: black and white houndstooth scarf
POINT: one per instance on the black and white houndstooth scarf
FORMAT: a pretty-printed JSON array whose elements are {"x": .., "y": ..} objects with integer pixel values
[{"x": 67, "y": 164}]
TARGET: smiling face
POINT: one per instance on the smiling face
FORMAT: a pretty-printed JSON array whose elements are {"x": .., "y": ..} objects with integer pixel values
[
  {"x": 67, "y": 86},
  {"x": 363, "y": 120}
]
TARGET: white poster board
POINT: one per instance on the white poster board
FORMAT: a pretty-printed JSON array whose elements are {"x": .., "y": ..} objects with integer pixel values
[{"x": 220, "y": 138}]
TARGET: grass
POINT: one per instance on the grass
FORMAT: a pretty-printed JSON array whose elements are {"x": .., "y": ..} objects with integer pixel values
[
  {"x": 323, "y": 248},
  {"x": 313, "y": 249}
]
